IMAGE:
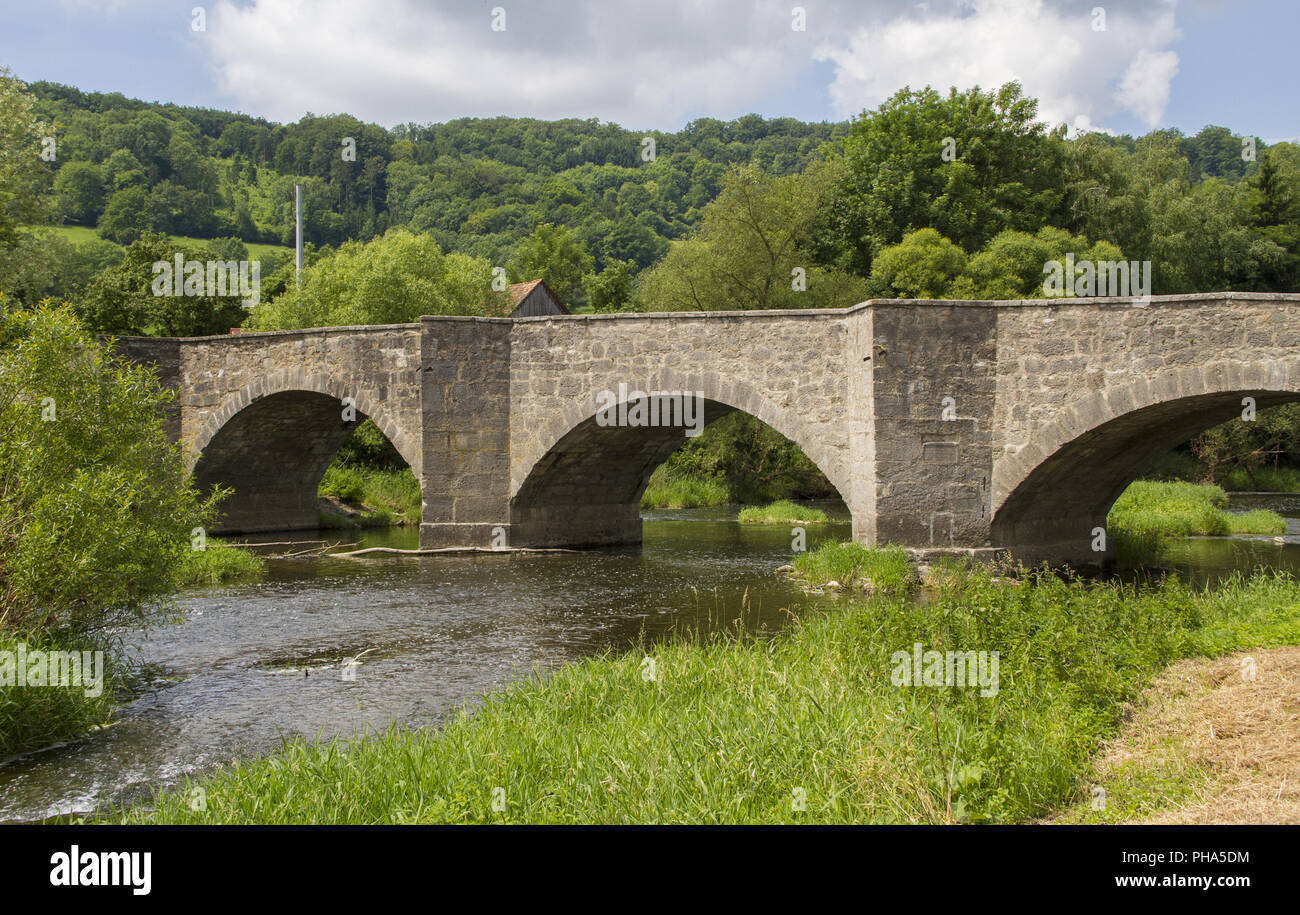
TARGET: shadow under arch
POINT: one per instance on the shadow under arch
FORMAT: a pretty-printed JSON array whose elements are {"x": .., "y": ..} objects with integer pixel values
[
  {"x": 586, "y": 489},
  {"x": 1051, "y": 512},
  {"x": 273, "y": 453},
  {"x": 287, "y": 381}
]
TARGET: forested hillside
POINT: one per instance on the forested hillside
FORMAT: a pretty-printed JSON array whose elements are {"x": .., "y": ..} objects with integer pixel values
[
  {"x": 961, "y": 194},
  {"x": 476, "y": 185}
]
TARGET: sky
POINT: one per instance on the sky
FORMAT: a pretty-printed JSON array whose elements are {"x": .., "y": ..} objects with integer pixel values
[{"x": 1121, "y": 67}]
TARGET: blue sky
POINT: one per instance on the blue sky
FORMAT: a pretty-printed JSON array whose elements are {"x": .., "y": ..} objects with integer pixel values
[{"x": 657, "y": 65}]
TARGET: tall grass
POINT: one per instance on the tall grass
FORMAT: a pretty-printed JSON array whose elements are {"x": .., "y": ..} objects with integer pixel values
[
  {"x": 217, "y": 564},
  {"x": 1150, "y": 513},
  {"x": 886, "y": 569},
  {"x": 32, "y": 717},
  {"x": 1263, "y": 479},
  {"x": 383, "y": 496},
  {"x": 783, "y": 511},
  {"x": 806, "y": 726},
  {"x": 668, "y": 490}
]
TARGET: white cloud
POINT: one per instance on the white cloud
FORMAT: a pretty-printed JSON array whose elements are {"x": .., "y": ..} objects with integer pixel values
[
  {"x": 642, "y": 64},
  {"x": 660, "y": 63},
  {"x": 1145, "y": 87},
  {"x": 1052, "y": 50}
]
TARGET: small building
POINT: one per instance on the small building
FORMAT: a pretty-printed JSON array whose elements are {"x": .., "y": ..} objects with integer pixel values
[{"x": 533, "y": 299}]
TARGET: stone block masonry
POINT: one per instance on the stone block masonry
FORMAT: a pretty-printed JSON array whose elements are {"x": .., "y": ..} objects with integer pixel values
[{"x": 943, "y": 424}]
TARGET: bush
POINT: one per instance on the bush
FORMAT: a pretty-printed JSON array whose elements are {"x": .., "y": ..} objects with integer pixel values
[
  {"x": 32, "y": 717},
  {"x": 99, "y": 507}
]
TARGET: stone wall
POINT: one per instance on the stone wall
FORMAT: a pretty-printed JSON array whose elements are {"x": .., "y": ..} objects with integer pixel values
[
  {"x": 574, "y": 482},
  {"x": 465, "y": 413},
  {"x": 1091, "y": 392},
  {"x": 942, "y": 424}
]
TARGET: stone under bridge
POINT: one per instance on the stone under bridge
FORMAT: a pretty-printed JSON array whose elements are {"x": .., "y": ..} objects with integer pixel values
[{"x": 941, "y": 423}]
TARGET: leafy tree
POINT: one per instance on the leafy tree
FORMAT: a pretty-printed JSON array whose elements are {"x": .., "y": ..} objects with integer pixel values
[
  {"x": 390, "y": 280},
  {"x": 126, "y": 216},
  {"x": 922, "y": 266},
  {"x": 925, "y": 265},
  {"x": 43, "y": 265},
  {"x": 122, "y": 299},
  {"x": 80, "y": 189},
  {"x": 612, "y": 288},
  {"x": 123, "y": 170},
  {"x": 967, "y": 165},
  {"x": 1215, "y": 152},
  {"x": 554, "y": 254},
  {"x": 750, "y": 251},
  {"x": 99, "y": 506},
  {"x": 1272, "y": 439},
  {"x": 755, "y": 461},
  {"x": 23, "y": 176}
]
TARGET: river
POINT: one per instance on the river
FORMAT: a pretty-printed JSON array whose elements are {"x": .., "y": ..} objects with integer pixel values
[{"x": 251, "y": 664}]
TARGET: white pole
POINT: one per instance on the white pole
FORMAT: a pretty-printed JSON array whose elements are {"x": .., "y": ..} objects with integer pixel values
[{"x": 297, "y": 207}]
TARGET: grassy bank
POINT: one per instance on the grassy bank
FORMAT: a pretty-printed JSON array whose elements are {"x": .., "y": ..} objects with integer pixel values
[
  {"x": 217, "y": 564},
  {"x": 37, "y": 716},
  {"x": 853, "y": 565},
  {"x": 1149, "y": 514},
  {"x": 670, "y": 490},
  {"x": 806, "y": 726},
  {"x": 783, "y": 512},
  {"x": 383, "y": 497}
]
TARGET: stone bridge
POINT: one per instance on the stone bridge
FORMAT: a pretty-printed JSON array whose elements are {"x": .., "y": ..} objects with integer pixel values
[{"x": 942, "y": 423}]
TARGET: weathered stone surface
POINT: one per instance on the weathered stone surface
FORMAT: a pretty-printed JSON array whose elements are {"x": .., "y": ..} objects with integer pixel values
[{"x": 944, "y": 425}]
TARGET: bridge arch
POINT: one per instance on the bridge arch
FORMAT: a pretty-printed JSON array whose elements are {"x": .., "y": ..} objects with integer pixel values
[
  {"x": 579, "y": 483},
  {"x": 1050, "y": 494},
  {"x": 272, "y": 441}
]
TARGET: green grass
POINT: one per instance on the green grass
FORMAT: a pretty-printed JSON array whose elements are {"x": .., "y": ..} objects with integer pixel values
[
  {"x": 853, "y": 565},
  {"x": 1149, "y": 513},
  {"x": 739, "y": 728},
  {"x": 32, "y": 717},
  {"x": 783, "y": 512},
  {"x": 217, "y": 564},
  {"x": 81, "y": 234},
  {"x": 667, "y": 490},
  {"x": 384, "y": 496}
]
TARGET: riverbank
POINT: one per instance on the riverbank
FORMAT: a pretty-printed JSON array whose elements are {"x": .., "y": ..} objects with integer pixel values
[
  {"x": 35, "y": 714},
  {"x": 355, "y": 496},
  {"x": 812, "y": 725},
  {"x": 1149, "y": 514}
]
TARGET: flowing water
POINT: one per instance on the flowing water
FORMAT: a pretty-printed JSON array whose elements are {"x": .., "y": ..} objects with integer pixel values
[{"x": 251, "y": 664}]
